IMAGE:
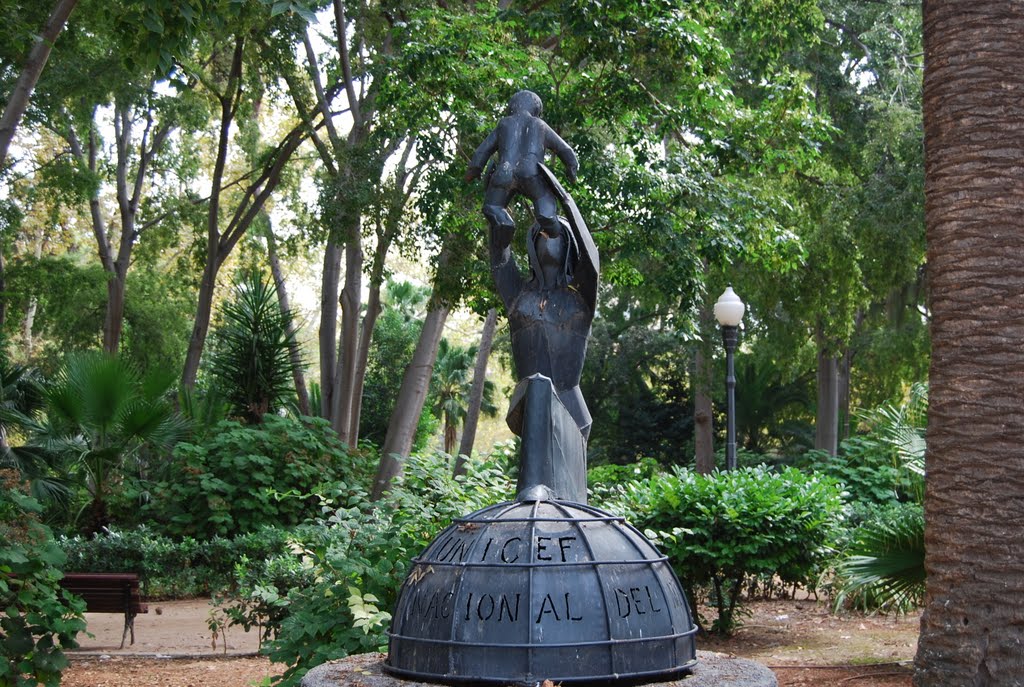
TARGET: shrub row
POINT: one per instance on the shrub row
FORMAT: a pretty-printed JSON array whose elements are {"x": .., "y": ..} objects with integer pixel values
[{"x": 175, "y": 568}]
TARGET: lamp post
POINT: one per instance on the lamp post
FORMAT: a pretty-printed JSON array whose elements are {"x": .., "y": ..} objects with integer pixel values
[{"x": 729, "y": 311}]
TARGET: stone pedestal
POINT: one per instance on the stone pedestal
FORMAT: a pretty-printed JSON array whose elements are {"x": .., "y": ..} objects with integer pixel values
[{"x": 713, "y": 670}]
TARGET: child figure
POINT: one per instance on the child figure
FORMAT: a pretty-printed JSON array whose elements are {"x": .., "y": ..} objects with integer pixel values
[{"x": 520, "y": 140}]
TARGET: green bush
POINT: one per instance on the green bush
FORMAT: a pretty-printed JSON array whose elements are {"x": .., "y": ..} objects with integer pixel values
[
  {"x": 242, "y": 478},
  {"x": 867, "y": 470},
  {"x": 40, "y": 621},
  {"x": 169, "y": 568},
  {"x": 607, "y": 475},
  {"x": 720, "y": 529},
  {"x": 362, "y": 554}
]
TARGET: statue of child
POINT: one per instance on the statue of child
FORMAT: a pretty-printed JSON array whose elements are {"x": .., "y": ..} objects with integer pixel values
[{"x": 520, "y": 140}]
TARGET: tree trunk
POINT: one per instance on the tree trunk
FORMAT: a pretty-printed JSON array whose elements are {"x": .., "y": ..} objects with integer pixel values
[
  {"x": 301, "y": 393},
  {"x": 348, "y": 344},
  {"x": 329, "y": 285},
  {"x": 17, "y": 102},
  {"x": 113, "y": 320},
  {"x": 373, "y": 310},
  {"x": 843, "y": 365},
  {"x": 201, "y": 325},
  {"x": 3, "y": 289},
  {"x": 703, "y": 413},
  {"x": 411, "y": 397},
  {"x": 27, "y": 325},
  {"x": 476, "y": 392},
  {"x": 826, "y": 426},
  {"x": 971, "y": 629}
]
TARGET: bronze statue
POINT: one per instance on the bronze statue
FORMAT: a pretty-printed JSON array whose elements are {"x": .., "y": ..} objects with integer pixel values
[
  {"x": 551, "y": 311},
  {"x": 520, "y": 140}
]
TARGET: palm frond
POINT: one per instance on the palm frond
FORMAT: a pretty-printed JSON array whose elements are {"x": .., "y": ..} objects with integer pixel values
[{"x": 885, "y": 567}]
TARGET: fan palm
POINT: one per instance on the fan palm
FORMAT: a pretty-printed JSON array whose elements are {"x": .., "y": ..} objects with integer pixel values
[
  {"x": 885, "y": 566},
  {"x": 21, "y": 398},
  {"x": 100, "y": 413},
  {"x": 884, "y": 569}
]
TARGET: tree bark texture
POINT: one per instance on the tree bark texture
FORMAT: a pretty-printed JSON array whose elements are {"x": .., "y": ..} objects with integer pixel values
[
  {"x": 17, "y": 102},
  {"x": 411, "y": 397},
  {"x": 348, "y": 344},
  {"x": 972, "y": 628},
  {"x": 476, "y": 392},
  {"x": 373, "y": 310},
  {"x": 843, "y": 366},
  {"x": 826, "y": 425},
  {"x": 703, "y": 413},
  {"x": 330, "y": 282}
]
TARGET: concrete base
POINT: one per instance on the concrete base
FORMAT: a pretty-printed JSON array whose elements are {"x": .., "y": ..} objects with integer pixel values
[{"x": 713, "y": 670}]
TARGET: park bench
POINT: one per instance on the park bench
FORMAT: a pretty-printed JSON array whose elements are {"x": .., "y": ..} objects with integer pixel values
[{"x": 108, "y": 593}]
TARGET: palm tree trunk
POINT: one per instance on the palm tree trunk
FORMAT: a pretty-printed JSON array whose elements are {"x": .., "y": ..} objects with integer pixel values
[
  {"x": 974, "y": 192},
  {"x": 476, "y": 393}
]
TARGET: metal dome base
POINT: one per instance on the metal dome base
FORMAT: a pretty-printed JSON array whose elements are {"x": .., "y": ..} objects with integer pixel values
[{"x": 523, "y": 592}]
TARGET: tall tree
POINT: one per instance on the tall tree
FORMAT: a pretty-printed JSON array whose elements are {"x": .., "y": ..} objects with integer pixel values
[
  {"x": 971, "y": 632},
  {"x": 140, "y": 133},
  {"x": 226, "y": 85},
  {"x": 17, "y": 101}
]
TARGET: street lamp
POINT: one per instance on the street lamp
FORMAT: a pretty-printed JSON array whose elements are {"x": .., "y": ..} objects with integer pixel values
[{"x": 729, "y": 311}]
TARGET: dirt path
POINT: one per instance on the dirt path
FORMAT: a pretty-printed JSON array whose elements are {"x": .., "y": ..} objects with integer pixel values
[
  {"x": 170, "y": 627},
  {"x": 799, "y": 640}
]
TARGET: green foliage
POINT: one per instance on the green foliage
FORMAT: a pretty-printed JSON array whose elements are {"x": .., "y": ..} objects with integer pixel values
[
  {"x": 884, "y": 466},
  {"x": 101, "y": 412},
  {"x": 884, "y": 568},
  {"x": 610, "y": 475},
  {"x": 866, "y": 470},
  {"x": 40, "y": 621},
  {"x": 21, "y": 397},
  {"x": 257, "y": 597},
  {"x": 244, "y": 477},
  {"x": 720, "y": 529},
  {"x": 902, "y": 427},
  {"x": 362, "y": 556},
  {"x": 158, "y": 308},
  {"x": 69, "y": 295},
  {"x": 251, "y": 361},
  {"x": 172, "y": 568},
  {"x": 635, "y": 381}
]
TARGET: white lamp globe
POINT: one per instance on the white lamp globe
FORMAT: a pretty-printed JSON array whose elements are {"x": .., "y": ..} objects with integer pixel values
[{"x": 729, "y": 308}]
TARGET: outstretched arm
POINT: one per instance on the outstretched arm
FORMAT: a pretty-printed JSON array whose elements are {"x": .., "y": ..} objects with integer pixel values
[{"x": 564, "y": 152}]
